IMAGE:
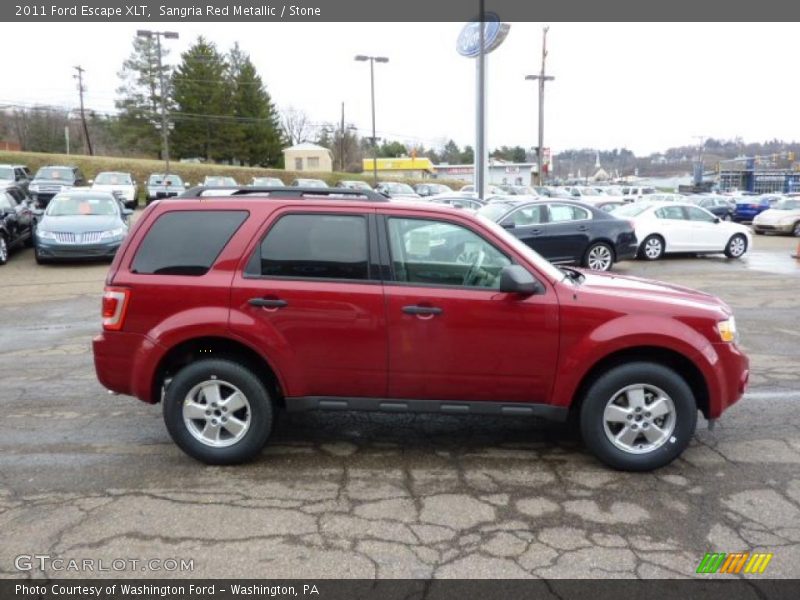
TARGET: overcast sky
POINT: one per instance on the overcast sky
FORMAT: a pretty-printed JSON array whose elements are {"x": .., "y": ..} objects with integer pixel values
[{"x": 641, "y": 86}]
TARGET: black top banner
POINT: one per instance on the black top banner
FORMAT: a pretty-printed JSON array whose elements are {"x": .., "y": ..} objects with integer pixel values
[{"x": 395, "y": 10}]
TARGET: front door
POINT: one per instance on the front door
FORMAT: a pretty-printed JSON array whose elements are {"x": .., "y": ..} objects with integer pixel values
[
  {"x": 452, "y": 334},
  {"x": 310, "y": 298}
]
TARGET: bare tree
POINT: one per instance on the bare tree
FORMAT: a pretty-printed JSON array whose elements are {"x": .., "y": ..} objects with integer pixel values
[{"x": 296, "y": 125}]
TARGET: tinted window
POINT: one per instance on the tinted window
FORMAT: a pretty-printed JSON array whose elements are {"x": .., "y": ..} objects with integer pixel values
[
  {"x": 186, "y": 242},
  {"x": 318, "y": 246},
  {"x": 439, "y": 253}
]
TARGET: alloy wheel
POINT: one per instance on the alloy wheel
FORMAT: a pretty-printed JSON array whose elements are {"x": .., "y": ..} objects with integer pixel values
[
  {"x": 216, "y": 413},
  {"x": 3, "y": 250},
  {"x": 653, "y": 248},
  {"x": 599, "y": 258},
  {"x": 639, "y": 418},
  {"x": 737, "y": 246}
]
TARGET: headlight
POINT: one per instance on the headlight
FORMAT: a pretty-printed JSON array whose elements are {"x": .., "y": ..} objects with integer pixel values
[
  {"x": 112, "y": 233},
  {"x": 727, "y": 330},
  {"x": 45, "y": 235}
]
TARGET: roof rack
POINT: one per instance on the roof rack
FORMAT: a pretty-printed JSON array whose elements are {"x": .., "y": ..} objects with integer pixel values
[{"x": 285, "y": 192}]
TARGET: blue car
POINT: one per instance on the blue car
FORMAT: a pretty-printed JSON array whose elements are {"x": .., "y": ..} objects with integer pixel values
[{"x": 748, "y": 207}]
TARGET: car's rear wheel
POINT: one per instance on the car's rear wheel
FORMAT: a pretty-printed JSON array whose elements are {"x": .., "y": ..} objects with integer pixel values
[
  {"x": 599, "y": 257},
  {"x": 736, "y": 247},
  {"x": 3, "y": 249},
  {"x": 218, "y": 412},
  {"x": 638, "y": 416},
  {"x": 652, "y": 247}
]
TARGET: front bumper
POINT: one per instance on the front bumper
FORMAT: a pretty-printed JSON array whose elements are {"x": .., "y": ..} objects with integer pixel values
[
  {"x": 764, "y": 228},
  {"x": 733, "y": 375},
  {"x": 56, "y": 250}
]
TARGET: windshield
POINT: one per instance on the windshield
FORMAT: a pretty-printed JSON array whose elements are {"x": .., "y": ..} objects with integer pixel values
[
  {"x": 398, "y": 188},
  {"x": 54, "y": 173},
  {"x": 311, "y": 183},
  {"x": 6, "y": 173},
  {"x": 495, "y": 211},
  {"x": 113, "y": 179},
  {"x": 787, "y": 204},
  {"x": 220, "y": 181},
  {"x": 553, "y": 273},
  {"x": 170, "y": 180},
  {"x": 631, "y": 210},
  {"x": 70, "y": 206}
]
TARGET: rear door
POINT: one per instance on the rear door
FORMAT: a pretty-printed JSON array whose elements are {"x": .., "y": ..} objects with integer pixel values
[{"x": 310, "y": 296}]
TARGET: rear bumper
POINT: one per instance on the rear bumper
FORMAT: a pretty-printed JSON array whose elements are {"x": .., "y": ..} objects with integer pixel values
[
  {"x": 626, "y": 251},
  {"x": 773, "y": 228},
  {"x": 121, "y": 361}
]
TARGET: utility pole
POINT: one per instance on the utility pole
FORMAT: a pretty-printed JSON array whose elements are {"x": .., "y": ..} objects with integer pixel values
[
  {"x": 341, "y": 143},
  {"x": 170, "y": 35},
  {"x": 542, "y": 78},
  {"x": 82, "y": 89}
]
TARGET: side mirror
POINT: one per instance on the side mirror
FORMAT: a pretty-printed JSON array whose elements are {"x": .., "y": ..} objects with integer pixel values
[
  {"x": 515, "y": 279},
  {"x": 127, "y": 212},
  {"x": 37, "y": 211},
  {"x": 508, "y": 225},
  {"x": 716, "y": 220}
]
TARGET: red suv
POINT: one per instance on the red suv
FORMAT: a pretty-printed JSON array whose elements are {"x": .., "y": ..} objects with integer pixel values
[{"x": 226, "y": 309}]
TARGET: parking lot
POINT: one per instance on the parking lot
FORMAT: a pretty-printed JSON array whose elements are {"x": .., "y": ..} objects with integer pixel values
[{"x": 84, "y": 474}]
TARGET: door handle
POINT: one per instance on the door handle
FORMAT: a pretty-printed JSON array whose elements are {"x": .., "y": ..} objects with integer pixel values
[
  {"x": 536, "y": 231},
  {"x": 422, "y": 310},
  {"x": 273, "y": 303},
  {"x": 583, "y": 228}
]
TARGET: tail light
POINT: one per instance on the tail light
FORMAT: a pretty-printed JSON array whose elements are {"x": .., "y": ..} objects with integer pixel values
[{"x": 115, "y": 305}]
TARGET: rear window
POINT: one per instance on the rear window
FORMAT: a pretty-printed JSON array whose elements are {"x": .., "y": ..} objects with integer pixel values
[{"x": 186, "y": 242}]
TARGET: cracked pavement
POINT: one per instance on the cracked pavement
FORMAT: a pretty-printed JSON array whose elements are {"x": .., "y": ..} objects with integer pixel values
[{"x": 88, "y": 475}]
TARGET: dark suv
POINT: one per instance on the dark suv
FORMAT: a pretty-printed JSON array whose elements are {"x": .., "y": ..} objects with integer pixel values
[
  {"x": 227, "y": 309},
  {"x": 49, "y": 181}
]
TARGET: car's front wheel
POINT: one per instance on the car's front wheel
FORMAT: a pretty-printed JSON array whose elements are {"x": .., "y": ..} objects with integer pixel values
[
  {"x": 3, "y": 249},
  {"x": 736, "y": 247},
  {"x": 218, "y": 412},
  {"x": 652, "y": 247},
  {"x": 638, "y": 416},
  {"x": 599, "y": 257}
]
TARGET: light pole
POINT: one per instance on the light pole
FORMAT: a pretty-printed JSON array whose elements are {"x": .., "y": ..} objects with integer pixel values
[
  {"x": 541, "y": 78},
  {"x": 372, "y": 60},
  {"x": 170, "y": 35}
]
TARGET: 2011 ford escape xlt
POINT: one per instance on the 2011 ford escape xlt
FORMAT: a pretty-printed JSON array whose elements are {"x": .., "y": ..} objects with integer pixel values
[{"x": 228, "y": 309}]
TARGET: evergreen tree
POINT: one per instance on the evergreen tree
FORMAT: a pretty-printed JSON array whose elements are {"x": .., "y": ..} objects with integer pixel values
[
  {"x": 451, "y": 154},
  {"x": 139, "y": 101},
  {"x": 205, "y": 125},
  {"x": 258, "y": 139}
]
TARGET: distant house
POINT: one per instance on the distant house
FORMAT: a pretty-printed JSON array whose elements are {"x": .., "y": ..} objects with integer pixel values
[{"x": 308, "y": 157}]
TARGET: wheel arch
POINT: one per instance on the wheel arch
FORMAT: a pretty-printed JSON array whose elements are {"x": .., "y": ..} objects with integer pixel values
[
  {"x": 667, "y": 357},
  {"x": 213, "y": 346}
]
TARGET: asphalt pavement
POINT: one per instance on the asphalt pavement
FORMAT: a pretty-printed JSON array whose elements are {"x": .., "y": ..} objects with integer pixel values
[{"x": 87, "y": 475}]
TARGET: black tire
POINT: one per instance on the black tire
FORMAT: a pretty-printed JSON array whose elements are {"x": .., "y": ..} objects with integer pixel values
[
  {"x": 796, "y": 229},
  {"x": 261, "y": 411},
  {"x": 3, "y": 249},
  {"x": 654, "y": 242},
  {"x": 38, "y": 257},
  {"x": 737, "y": 246},
  {"x": 596, "y": 254},
  {"x": 607, "y": 387}
]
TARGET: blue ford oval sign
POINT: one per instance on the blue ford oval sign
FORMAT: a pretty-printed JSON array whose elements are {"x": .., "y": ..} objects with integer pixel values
[{"x": 469, "y": 40}]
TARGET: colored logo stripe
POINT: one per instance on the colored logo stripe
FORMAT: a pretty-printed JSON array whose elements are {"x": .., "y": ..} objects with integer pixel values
[{"x": 733, "y": 564}]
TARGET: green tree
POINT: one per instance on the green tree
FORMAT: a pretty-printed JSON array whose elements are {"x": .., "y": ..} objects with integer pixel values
[
  {"x": 451, "y": 154},
  {"x": 139, "y": 101},
  {"x": 205, "y": 124},
  {"x": 467, "y": 156},
  {"x": 258, "y": 139},
  {"x": 392, "y": 149}
]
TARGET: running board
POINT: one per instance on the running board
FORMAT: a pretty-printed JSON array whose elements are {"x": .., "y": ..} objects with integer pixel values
[{"x": 447, "y": 407}]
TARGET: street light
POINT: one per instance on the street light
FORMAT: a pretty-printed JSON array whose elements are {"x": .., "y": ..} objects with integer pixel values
[
  {"x": 541, "y": 78},
  {"x": 372, "y": 60},
  {"x": 169, "y": 35}
]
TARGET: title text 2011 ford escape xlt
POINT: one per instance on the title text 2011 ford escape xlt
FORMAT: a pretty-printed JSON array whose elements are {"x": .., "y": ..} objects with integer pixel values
[{"x": 226, "y": 309}]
